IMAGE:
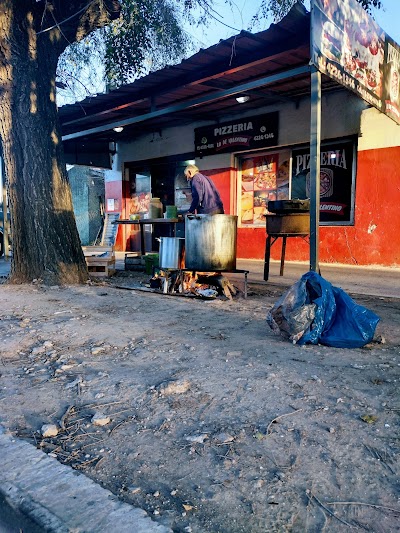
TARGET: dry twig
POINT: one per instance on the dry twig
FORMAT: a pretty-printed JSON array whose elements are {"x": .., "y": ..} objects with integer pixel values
[
  {"x": 366, "y": 505},
  {"x": 377, "y": 455},
  {"x": 331, "y": 513},
  {"x": 117, "y": 426},
  {"x": 97, "y": 405},
  {"x": 279, "y": 417},
  {"x": 85, "y": 464},
  {"x": 65, "y": 416}
]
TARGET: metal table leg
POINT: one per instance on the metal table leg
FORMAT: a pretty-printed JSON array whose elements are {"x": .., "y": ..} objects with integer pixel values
[
  {"x": 142, "y": 245},
  {"x": 267, "y": 257},
  {"x": 284, "y": 237}
]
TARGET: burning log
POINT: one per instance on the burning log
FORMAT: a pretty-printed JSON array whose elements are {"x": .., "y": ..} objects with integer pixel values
[
  {"x": 188, "y": 282},
  {"x": 222, "y": 284}
]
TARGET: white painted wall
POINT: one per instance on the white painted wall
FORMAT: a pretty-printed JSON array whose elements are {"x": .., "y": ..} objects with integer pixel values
[
  {"x": 112, "y": 175},
  {"x": 342, "y": 112},
  {"x": 377, "y": 131}
]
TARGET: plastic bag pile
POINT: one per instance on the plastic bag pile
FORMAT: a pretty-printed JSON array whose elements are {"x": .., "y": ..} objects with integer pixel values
[{"x": 313, "y": 311}]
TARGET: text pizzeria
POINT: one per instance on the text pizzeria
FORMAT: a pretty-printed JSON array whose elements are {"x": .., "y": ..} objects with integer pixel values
[
  {"x": 332, "y": 158},
  {"x": 233, "y": 128}
]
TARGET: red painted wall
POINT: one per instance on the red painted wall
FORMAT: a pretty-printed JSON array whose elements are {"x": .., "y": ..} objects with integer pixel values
[
  {"x": 373, "y": 240},
  {"x": 222, "y": 180},
  {"x": 375, "y": 237}
]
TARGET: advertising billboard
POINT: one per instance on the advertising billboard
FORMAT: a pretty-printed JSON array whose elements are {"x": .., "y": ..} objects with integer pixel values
[{"x": 348, "y": 46}]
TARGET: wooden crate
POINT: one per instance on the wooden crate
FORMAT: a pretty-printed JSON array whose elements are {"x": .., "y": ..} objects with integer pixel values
[{"x": 100, "y": 260}]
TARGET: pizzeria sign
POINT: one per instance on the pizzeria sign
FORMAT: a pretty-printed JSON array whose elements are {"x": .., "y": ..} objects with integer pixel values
[
  {"x": 250, "y": 132},
  {"x": 348, "y": 46}
]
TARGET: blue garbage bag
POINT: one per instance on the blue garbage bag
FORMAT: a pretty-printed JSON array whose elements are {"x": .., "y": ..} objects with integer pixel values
[{"x": 338, "y": 320}]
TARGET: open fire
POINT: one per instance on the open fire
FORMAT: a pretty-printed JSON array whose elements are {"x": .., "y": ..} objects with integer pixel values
[{"x": 204, "y": 285}]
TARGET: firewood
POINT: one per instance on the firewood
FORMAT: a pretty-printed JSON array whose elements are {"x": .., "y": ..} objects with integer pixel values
[{"x": 219, "y": 281}]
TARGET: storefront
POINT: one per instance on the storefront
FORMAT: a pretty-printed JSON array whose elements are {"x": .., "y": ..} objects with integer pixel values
[
  {"x": 360, "y": 179},
  {"x": 259, "y": 150}
]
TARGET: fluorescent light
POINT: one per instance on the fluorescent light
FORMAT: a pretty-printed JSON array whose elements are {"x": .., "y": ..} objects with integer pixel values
[
  {"x": 118, "y": 129},
  {"x": 242, "y": 99}
]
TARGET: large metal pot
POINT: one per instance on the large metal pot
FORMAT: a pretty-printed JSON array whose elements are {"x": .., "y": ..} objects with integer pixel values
[
  {"x": 211, "y": 242},
  {"x": 172, "y": 251}
]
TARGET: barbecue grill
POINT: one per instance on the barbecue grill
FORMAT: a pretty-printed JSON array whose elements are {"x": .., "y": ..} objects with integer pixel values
[{"x": 290, "y": 218}]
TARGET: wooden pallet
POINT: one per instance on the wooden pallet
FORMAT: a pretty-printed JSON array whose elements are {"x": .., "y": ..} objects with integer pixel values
[{"x": 100, "y": 260}]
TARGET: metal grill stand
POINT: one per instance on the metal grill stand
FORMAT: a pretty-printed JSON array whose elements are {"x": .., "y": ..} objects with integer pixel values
[{"x": 284, "y": 226}]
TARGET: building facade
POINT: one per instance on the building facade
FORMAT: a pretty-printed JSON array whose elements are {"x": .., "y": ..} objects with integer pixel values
[
  {"x": 258, "y": 150},
  {"x": 360, "y": 176}
]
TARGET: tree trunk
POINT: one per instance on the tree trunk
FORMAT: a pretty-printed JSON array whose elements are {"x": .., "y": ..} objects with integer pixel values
[{"x": 45, "y": 240}]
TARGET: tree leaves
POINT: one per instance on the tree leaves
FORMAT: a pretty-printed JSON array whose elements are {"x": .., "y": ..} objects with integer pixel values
[{"x": 148, "y": 35}]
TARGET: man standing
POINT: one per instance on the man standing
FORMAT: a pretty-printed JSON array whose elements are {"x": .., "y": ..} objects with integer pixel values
[{"x": 205, "y": 197}]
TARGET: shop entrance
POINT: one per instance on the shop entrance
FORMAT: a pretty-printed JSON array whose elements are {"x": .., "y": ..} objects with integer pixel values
[{"x": 161, "y": 178}]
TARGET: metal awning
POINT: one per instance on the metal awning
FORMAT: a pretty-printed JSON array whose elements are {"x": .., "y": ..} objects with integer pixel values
[{"x": 270, "y": 66}]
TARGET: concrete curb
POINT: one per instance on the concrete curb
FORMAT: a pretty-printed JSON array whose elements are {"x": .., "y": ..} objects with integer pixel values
[{"x": 61, "y": 500}]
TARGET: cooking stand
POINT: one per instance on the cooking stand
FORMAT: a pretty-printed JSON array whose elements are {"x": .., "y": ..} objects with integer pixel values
[
  {"x": 169, "y": 222},
  {"x": 236, "y": 271},
  {"x": 284, "y": 224},
  {"x": 271, "y": 239}
]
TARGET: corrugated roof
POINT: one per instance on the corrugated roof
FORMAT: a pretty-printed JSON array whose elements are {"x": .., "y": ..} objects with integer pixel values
[{"x": 202, "y": 86}]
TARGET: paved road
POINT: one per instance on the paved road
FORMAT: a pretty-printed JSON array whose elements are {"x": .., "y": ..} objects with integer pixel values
[{"x": 373, "y": 281}]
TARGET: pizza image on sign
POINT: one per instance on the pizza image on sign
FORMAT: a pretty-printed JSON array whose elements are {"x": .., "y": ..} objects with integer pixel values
[
  {"x": 326, "y": 183},
  {"x": 394, "y": 84}
]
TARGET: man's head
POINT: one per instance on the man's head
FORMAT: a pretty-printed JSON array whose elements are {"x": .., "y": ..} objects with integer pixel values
[{"x": 190, "y": 171}]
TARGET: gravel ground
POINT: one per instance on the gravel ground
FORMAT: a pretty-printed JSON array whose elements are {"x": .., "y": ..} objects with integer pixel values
[{"x": 211, "y": 423}]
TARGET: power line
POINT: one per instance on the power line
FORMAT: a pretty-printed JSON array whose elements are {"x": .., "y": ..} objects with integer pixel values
[
  {"x": 66, "y": 20},
  {"x": 223, "y": 23}
]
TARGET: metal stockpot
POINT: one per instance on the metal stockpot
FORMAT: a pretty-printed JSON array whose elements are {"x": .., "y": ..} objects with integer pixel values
[
  {"x": 211, "y": 242},
  {"x": 172, "y": 252}
]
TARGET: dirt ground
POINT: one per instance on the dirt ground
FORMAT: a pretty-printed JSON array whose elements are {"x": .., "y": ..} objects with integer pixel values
[{"x": 211, "y": 422}]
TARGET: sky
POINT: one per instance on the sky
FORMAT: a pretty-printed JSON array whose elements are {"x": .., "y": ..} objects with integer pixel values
[{"x": 240, "y": 16}]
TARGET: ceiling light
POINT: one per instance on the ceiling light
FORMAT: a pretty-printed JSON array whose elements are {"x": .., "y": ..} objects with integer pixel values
[
  {"x": 118, "y": 129},
  {"x": 242, "y": 99}
]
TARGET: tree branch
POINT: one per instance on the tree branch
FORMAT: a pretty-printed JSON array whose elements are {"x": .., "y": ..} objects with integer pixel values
[{"x": 76, "y": 21}]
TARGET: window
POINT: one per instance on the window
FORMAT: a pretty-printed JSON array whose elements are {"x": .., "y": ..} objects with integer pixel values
[
  {"x": 264, "y": 177},
  {"x": 337, "y": 178},
  {"x": 284, "y": 174}
]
